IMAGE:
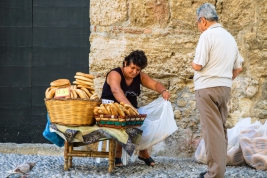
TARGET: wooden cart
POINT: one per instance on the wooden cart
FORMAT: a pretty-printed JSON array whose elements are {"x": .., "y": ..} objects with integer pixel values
[{"x": 69, "y": 153}]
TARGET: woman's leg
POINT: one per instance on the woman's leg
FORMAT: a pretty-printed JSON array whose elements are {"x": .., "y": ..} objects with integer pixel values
[
  {"x": 118, "y": 162},
  {"x": 143, "y": 155},
  {"x": 118, "y": 150}
]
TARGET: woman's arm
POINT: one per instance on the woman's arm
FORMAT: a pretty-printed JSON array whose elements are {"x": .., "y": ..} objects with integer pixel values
[
  {"x": 114, "y": 80},
  {"x": 148, "y": 82}
]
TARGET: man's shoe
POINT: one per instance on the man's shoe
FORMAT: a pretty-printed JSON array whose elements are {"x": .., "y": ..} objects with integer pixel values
[{"x": 201, "y": 175}]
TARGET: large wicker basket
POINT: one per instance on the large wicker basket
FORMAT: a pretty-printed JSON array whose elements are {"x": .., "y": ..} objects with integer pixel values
[{"x": 71, "y": 112}]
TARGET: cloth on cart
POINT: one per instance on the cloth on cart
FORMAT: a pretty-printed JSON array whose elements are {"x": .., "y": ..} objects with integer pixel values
[
  {"x": 52, "y": 136},
  {"x": 91, "y": 134}
]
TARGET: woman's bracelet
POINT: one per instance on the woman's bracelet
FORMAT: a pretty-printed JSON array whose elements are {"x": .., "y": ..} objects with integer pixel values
[{"x": 163, "y": 91}]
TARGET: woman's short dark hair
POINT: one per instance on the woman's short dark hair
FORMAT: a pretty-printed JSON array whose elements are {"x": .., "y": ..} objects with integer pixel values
[{"x": 137, "y": 57}]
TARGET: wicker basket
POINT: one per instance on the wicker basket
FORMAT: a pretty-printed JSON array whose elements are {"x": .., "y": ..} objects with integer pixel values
[
  {"x": 120, "y": 122},
  {"x": 71, "y": 112}
]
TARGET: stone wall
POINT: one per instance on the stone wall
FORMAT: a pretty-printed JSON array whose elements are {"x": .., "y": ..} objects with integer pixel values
[{"x": 166, "y": 31}]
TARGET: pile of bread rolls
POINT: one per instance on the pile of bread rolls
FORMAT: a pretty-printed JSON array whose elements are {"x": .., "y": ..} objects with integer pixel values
[
  {"x": 83, "y": 87},
  {"x": 116, "y": 109},
  {"x": 60, "y": 83},
  {"x": 85, "y": 81},
  {"x": 76, "y": 92}
]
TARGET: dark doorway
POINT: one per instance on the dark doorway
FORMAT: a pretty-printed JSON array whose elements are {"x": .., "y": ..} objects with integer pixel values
[{"x": 40, "y": 41}]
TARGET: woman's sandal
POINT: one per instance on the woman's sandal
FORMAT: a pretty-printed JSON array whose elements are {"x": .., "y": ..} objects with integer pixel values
[
  {"x": 148, "y": 161},
  {"x": 118, "y": 162}
]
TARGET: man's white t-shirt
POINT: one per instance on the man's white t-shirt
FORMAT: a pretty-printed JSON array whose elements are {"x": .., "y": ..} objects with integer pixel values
[{"x": 218, "y": 54}]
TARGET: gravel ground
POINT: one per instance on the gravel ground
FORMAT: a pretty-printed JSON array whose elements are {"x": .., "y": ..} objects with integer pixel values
[{"x": 166, "y": 167}]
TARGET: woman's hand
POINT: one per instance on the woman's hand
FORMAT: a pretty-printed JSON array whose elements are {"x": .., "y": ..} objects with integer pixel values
[
  {"x": 166, "y": 94},
  {"x": 148, "y": 82}
]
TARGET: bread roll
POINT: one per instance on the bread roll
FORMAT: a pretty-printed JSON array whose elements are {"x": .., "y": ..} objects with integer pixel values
[
  {"x": 73, "y": 91},
  {"x": 87, "y": 92},
  {"x": 113, "y": 109},
  {"x": 132, "y": 113},
  {"x": 105, "y": 111},
  {"x": 94, "y": 97},
  {"x": 57, "y": 87},
  {"x": 247, "y": 154},
  {"x": 251, "y": 132},
  {"x": 91, "y": 89},
  {"x": 83, "y": 78},
  {"x": 71, "y": 94},
  {"x": 95, "y": 111},
  {"x": 81, "y": 93},
  {"x": 84, "y": 82},
  {"x": 259, "y": 162},
  {"x": 78, "y": 83},
  {"x": 100, "y": 111},
  {"x": 126, "y": 112},
  {"x": 108, "y": 109},
  {"x": 234, "y": 156},
  {"x": 259, "y": 145},
  {"x": 127, "y": 106},
  {"x": 73, "y": 87},
  {"x": 60, "y": 82},
  {"x": 46, "y": 92},
  {"x": 85, "y": 75},
  {"x": 245, "y": 141},
  {"x": 119, "y": 109},
  {"x": 51, "y": 93}
]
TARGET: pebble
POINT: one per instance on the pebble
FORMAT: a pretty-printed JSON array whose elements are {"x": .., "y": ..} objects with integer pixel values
[{"x": 166, "y": 167}]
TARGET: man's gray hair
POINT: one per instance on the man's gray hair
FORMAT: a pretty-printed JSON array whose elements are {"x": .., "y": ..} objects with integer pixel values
[{"x": 207, "y": 11}]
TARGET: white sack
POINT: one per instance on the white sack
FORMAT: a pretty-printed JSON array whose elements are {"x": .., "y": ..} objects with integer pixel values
[
  {"x": 234, "y": 152},
  {"x": 159, "y": 123},
  {"x": 253, "y": 141}
]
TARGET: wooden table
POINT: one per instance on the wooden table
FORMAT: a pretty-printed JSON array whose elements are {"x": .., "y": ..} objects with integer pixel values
[
  {"x": 69, "y": 153},
  {"x": 84, "y": 135}
]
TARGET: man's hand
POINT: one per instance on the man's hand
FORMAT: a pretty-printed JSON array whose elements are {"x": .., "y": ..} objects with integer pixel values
[
  {"x": 196, "y": 67},
  {"x": 236, "y": 72}
]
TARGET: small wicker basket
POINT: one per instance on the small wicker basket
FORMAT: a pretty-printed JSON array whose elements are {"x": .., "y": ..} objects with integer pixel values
[
  {"x": 120, "y": 122},
  {"x": 71, "y": 112}
]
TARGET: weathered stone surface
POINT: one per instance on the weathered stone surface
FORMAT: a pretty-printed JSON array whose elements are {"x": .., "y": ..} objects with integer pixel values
[
  {"x": 261, "y": 109},
  {"x": 264, "y": 90},
  {"x": 166, "y": 31},
  {"x": 245, "y": 87},
  {"x": 104, "y": 12},
  {"x": 149, "y": 12}
]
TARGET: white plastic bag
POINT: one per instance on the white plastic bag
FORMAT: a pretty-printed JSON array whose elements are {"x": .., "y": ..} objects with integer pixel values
[
  {"x": 159, "y": 123},
  {"x": 253, "y": 141},
  {"x": 234, "y": 152},
  {"x": 233, "y": 133},
  {"x": 200, "y": 154}
]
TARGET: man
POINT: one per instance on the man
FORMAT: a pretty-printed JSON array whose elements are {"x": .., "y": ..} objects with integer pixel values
[{"x": 217, "y": 62}]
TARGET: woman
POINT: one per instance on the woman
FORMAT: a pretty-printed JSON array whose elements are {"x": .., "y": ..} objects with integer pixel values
[{"x": 123, "y": 85}]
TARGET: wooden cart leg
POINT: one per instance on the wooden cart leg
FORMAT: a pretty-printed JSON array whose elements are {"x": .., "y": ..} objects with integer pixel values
[
  {"x": 112, "y": 146},
  {"x": 66, "y": 151},
  {"x": 70, "y": 157}
]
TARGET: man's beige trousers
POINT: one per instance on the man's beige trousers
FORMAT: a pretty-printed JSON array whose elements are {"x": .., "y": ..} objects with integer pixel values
[{"x": 212, "y": 105}]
